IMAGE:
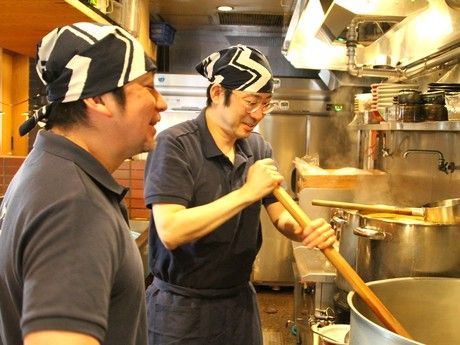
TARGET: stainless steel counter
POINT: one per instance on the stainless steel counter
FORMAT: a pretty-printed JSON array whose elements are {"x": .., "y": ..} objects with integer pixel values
[{"x": 312, "y": 265}]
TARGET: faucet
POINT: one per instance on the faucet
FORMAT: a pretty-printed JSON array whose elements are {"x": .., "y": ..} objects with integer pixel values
[{"x": 446, "y": 167}]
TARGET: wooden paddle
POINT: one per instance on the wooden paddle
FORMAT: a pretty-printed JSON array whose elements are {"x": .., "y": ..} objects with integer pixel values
[{"x": 344, "y": 268}]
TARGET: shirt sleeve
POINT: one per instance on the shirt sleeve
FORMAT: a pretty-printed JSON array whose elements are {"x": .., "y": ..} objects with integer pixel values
[{"x": 168, "y": 175}]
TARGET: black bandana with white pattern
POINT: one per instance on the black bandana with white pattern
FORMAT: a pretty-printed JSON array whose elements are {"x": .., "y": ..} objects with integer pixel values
[
  {"x": 85, "y": 60},
  {"x": 238, "y": 68}
]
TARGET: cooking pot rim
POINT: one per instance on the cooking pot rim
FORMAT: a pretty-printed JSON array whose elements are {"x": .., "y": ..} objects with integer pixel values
[
  {"x": 351, "y": 294},
  {"x": 443, "y": 203},
  {"x": 407, "y": 221}
]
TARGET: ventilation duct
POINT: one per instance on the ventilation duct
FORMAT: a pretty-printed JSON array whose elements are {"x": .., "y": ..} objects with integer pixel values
[{"x": 255, "y": 19}]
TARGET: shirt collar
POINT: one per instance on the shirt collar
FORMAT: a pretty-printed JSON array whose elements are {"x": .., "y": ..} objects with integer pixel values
[
  {"x": 209, "y": 145},
  {"x": 60, "y": 146}
]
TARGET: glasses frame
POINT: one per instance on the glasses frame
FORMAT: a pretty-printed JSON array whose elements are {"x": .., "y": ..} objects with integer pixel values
[{"x": 252, "y": 107}]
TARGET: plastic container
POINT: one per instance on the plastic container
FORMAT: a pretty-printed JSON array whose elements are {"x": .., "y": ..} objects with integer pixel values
[
  {"x": 453, "y": 106},
  {"x": 333, "y": 334},
  {"x": 409, "y": 96},
  {"x": 410, "y": 113},
  {"x": 436, "y": 97},
  {"x": 162, "y": 33},
  {"x": 435, "y": 112}
]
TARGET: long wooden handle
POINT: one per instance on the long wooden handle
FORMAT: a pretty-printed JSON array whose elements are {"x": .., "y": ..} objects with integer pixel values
[
  {"x": 344, "y": 268},
  {"x": 365, "y": 207}
]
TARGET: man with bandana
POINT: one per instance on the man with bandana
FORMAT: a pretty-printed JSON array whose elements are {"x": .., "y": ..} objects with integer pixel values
[
  {"x": 70, "y": 272},
  {"x": 206, "y": 182}
]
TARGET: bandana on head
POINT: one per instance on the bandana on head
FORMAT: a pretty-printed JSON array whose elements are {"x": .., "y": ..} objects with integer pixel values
[
  {"x": 238, "y": 68},
  {"x": 86, "y": 60}
]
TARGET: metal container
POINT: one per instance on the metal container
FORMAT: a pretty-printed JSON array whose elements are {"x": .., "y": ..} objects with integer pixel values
[
  {"x": 404, "y": 247},
  {"x": 426, "y": 306},
  {"x": 444, "y": 211},
  {"x": 344, "y": 222}
]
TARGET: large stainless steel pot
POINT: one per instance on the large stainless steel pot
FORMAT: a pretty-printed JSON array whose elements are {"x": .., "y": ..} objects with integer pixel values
[
  {"x": 344, "y": 222},
  {"x": 392, "y": 247},
  {"x": 427, "y": 307}
]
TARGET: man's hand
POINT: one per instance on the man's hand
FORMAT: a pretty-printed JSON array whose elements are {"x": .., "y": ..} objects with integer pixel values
[
  {"x": 263, "y": 177},
  {"x": 318, "y": 233}
]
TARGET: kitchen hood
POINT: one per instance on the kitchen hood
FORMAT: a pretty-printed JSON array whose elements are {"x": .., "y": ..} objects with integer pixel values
[
  {"x": 382, "y": 16},
  {"x": 373, "y": 37}
]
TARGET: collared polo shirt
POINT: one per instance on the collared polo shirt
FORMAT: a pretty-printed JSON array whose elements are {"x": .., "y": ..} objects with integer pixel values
[
  {"x": 187, "y": 168},
  {"x": 67, "y": 260}
]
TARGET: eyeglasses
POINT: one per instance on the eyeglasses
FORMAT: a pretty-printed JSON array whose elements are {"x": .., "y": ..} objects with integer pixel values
[{"x": 253, "y": 105}]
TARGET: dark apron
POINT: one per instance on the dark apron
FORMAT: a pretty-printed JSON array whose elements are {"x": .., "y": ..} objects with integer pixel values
[{"x": 186, "y": 316}]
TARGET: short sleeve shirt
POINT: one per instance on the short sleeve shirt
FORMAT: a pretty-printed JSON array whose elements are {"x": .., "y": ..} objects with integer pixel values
[
  {"x": 187, "y": 168},
  {"x": 67, "y": 259}
]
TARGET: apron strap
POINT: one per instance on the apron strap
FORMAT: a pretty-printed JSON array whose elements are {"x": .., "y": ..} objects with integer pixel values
[{"x": 199, "y": 293}]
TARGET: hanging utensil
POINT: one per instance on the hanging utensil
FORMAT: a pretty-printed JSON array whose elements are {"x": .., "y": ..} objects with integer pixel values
[{"x": 344, "y": 268}]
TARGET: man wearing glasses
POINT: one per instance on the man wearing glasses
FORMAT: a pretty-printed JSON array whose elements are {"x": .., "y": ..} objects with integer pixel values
[{"x": 206, "y": 182}]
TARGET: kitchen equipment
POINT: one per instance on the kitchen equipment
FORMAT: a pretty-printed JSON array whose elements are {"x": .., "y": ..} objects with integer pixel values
[
  {"x": 428, "y": 306},
  {"x": 291, "y": 130},
  {"x": 444, "y": 211},
  {"x": 343, "y": 267},
  {"x": 453, "y": 105},
  {"x": 434, "y": 112},
  {"x": 286, "y": 134},
  {"x": 344, "y": 222},
  {"x": 185, "y": 95},
  {"x": 409, "y": 96},
  {"x": 315, "y": 277},
  {"x": 410, "y": 113},
  {"x": 391, "y": 246},
  {"x": 441, "y": 212},
  {"x": 434, "y": 97},
  {"x": 335, "y": 334}
]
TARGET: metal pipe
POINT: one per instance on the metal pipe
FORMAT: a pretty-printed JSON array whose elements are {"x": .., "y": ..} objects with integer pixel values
[
  {"x": 352, "y": 39},
  {"x": 447, "y": 56}
]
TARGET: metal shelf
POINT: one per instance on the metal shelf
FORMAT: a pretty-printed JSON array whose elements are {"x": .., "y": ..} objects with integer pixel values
[{"x": 446, "y": 126}]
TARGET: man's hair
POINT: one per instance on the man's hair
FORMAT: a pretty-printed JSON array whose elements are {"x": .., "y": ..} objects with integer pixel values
[
  {"x": 66, "y": 115},
  {"x": 227, "y": 94}
]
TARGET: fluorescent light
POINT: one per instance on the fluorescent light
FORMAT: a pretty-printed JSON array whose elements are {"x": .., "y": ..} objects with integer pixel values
[{"x": 225, "y": 8}]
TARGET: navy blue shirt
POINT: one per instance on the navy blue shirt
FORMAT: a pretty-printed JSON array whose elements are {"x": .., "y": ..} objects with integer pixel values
[
  {"x": 188, "y": 168},
  {"x": 67, "y": 259}
]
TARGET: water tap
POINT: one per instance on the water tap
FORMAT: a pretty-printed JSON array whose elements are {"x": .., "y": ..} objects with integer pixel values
[{"x": 446, "y": 167}]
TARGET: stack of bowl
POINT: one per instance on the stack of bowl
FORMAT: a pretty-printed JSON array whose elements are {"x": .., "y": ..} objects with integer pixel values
[{"x": 384, "y": 95}]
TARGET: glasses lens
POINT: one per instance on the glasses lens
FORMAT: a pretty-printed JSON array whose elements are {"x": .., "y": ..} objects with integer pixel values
[{"x": 269, "y": 107}]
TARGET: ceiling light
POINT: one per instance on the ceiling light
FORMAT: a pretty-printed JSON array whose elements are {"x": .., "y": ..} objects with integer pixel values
[{"x": 225, "y": 8}]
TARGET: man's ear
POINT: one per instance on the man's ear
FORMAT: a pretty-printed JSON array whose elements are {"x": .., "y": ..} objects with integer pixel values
[
  {"x": 97, "y": 104},
  {"x": 215, "y": 92}
]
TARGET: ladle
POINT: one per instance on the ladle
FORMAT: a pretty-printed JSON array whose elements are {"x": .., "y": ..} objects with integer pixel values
[
  {"x": 441, "y": 212},
  {"x": 367, "y": 295}
]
